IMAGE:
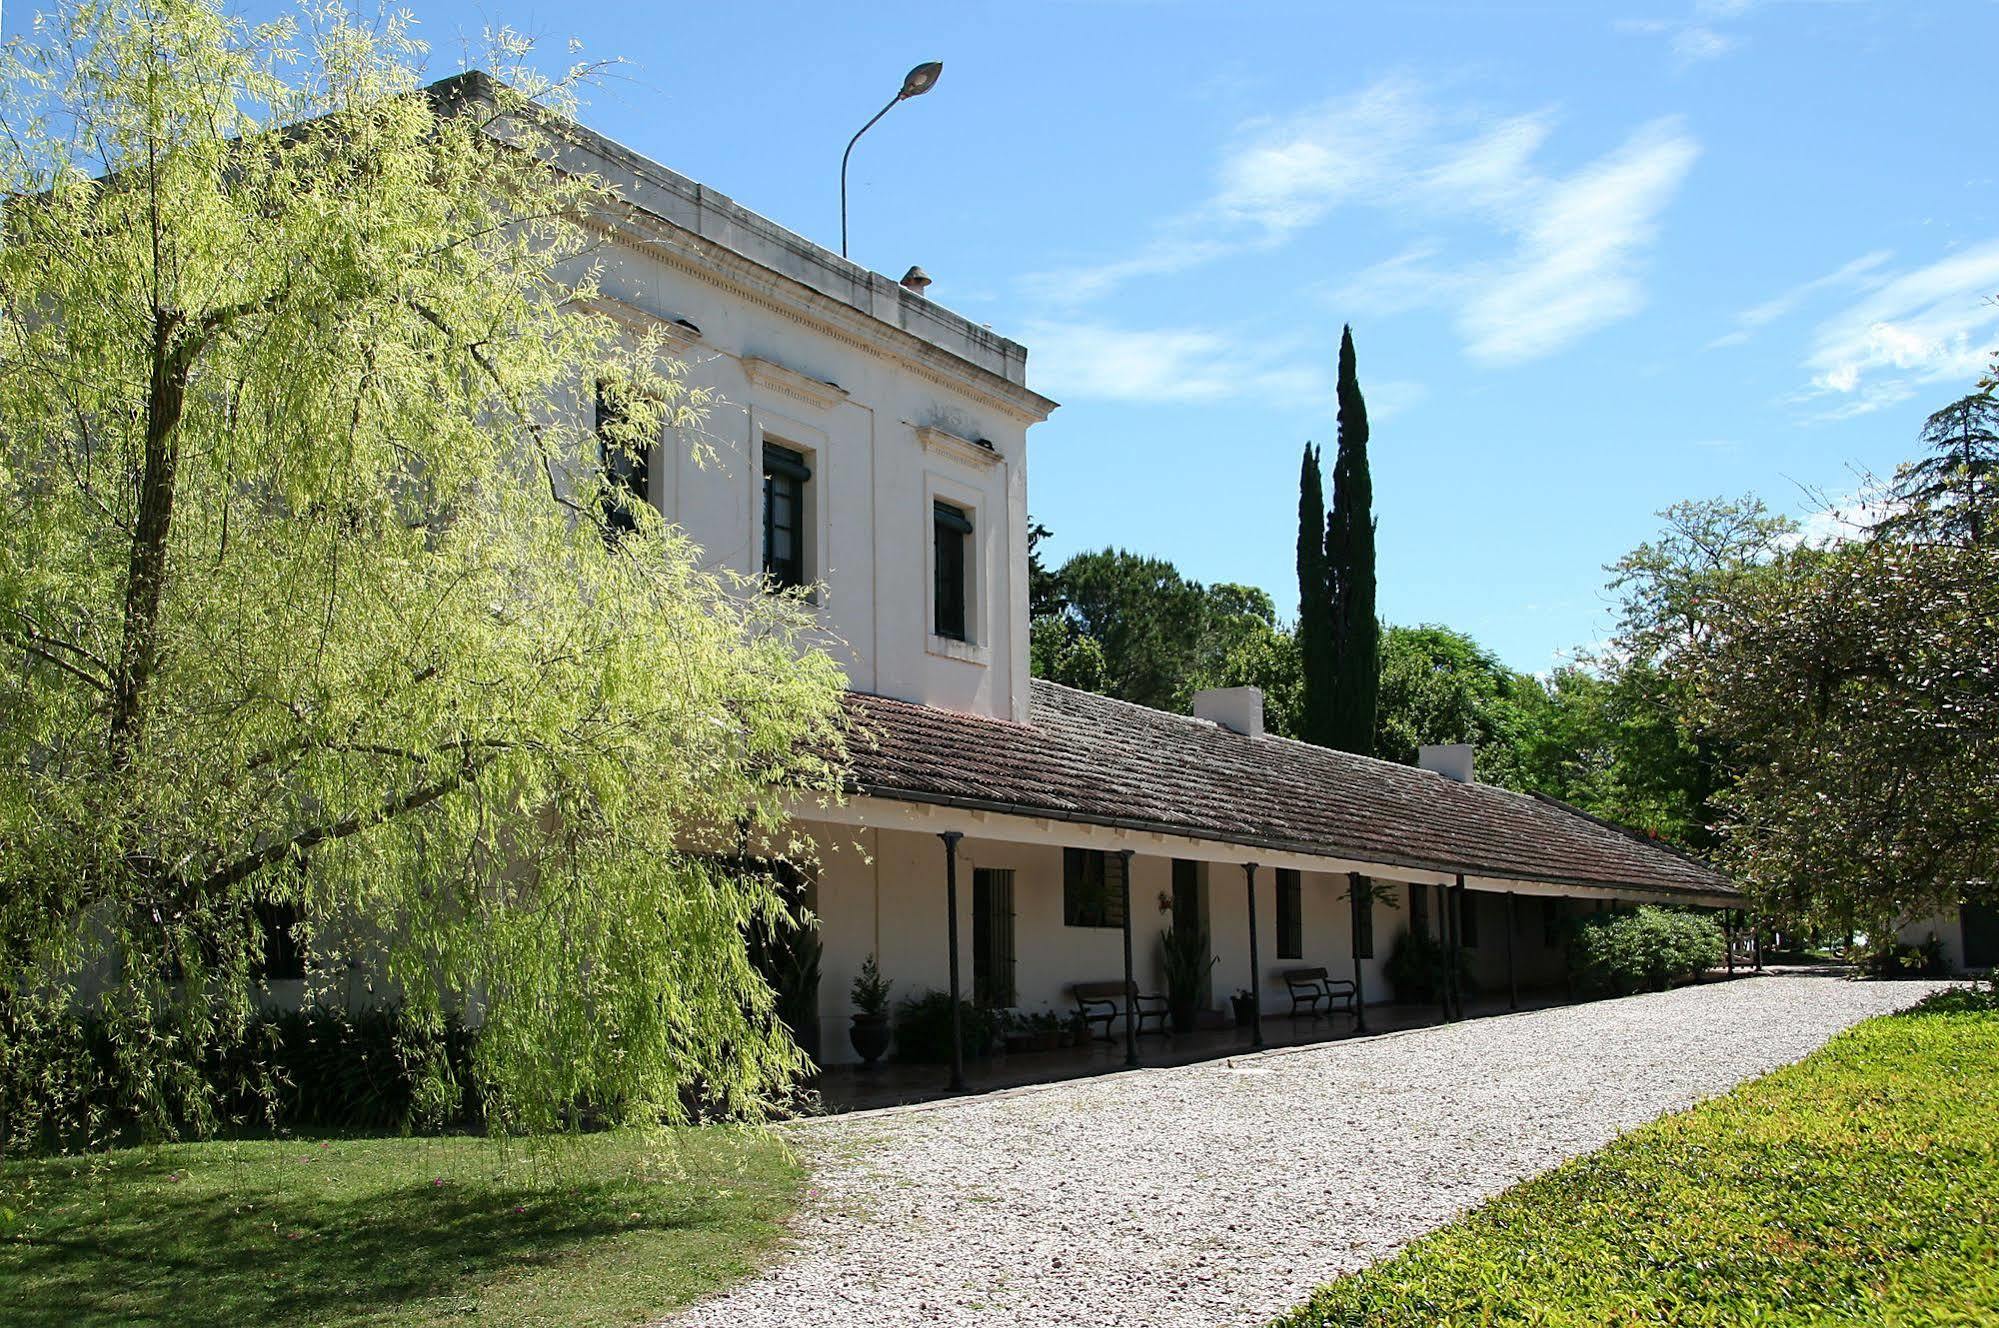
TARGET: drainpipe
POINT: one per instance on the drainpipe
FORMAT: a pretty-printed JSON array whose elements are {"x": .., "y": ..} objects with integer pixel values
[
  {"x": 1255, "y": 982},
  {"x": 1355, "y": 903},
  {"x": 951, "y": 838},
  {"x": 1130, "y": 984}
]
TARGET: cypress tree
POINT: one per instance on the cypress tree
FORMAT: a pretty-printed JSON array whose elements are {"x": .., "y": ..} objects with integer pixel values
[
  {"x": 1355, "y": 630},
  {"x": 1315, "y": 623}
]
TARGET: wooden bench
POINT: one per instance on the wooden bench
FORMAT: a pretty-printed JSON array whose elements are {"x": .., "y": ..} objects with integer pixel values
[
  {"x": 1310, "y": 986},
  {"x": 1104, "y": 1003}
]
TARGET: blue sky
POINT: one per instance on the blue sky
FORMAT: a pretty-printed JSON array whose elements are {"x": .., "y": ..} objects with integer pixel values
[{"x": 1597, "y": 257}]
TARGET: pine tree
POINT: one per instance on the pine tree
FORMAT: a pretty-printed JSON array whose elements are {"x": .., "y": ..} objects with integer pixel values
[
  {"x": 1952, "y": 495},
  {"x": 1315, "y": 640},
  {"x": 1355, "y": 630}
]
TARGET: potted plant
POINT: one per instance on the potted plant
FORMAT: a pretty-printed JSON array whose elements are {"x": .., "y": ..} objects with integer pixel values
[
  {"x": 869, "y": 1033},
  {"x": 1244, "y": 1003},
  {"x": 1016, "y": 1032},
  {"x": 1186, "y": 961}
]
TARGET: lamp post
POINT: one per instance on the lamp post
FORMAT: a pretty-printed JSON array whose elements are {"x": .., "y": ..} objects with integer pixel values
[{"x": 914, "y": 84}]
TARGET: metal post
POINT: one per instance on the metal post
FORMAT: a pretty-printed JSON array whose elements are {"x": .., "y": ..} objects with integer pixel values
[
  {"x": 1456, "y": 903},
  {"x": 1354, "y": 888},
  {"x": 1512, "y": 970},
  {"x": 1255, "y": 981},
  {"x": 1130, "y": 985},
  {"x": 951, "y": 838}
]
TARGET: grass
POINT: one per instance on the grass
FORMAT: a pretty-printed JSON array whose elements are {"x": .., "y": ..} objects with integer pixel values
[
  {"x": 1860, "y": 1186},
  {"x": 604, "y": 1229}
]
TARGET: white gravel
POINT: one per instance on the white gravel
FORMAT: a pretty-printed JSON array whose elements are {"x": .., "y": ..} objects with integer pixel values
[{"x": 1224, "y": 1193}]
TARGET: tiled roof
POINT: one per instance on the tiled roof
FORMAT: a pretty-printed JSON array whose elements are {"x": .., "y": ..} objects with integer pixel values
[{"x": 1088, "y": 758}]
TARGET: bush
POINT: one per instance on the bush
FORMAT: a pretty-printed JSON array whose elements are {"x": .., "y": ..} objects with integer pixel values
[
  {"x": 923, "y": 1028},
  {"x": 1415, "y": 969},
  {"x": 1907, "y": 961},
  {"x": 318, "y": 1067},
  {"x": 1644, "y": 949},
  {"x": 1980, "y": 998}
]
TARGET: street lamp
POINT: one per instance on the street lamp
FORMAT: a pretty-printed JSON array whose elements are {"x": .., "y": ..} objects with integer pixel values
[{"x": 914, "y": 84}]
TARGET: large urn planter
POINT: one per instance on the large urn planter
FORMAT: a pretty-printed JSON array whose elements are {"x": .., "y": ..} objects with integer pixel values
[{"x": 870, "y": 1035}]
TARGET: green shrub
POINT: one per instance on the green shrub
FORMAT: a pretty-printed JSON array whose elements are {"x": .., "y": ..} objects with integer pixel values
[
  {"x": 1415, "y": 969},
  {"x": 1644, "y": 949},
  {"x": 326, "y": 1068},
  {"x": 923, "y": 1028},
  {"x": 1908, "y": 961}
]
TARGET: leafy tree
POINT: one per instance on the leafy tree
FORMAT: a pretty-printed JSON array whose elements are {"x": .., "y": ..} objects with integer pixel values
[
  {"x": 1671, "y": 585},
  {"x": 1858, "y": 688},
  {"x": 1315, "y": 608},
  {"x": 1617, "y": 745},
  {"x": 1440, "y": 686},
  {"x": 1060, "y": 651},
  {"x": 1146, "y": 618},
  {"x": 1953, "y": 493},
  {"x": 1044, "y": 588},
  {"x": 1355, "y": 632},
  {"x": 317, "y": 600}
]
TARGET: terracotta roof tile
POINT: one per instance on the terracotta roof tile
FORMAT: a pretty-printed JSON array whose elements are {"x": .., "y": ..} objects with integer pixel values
[{"x": 1089, "y": 758}]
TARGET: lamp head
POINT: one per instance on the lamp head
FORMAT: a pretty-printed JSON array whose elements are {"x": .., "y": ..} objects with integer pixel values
[{"x": 920, "y": 80}]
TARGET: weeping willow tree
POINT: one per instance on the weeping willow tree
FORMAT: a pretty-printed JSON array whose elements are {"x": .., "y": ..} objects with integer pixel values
[{"x": 319, "y": 598}]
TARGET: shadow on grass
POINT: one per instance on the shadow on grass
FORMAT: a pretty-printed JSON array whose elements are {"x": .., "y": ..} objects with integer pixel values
[{"x": 227, "y": 1242}]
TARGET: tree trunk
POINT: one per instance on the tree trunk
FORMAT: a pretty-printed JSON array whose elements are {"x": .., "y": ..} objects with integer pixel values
[{"x": 146, "y": 570}]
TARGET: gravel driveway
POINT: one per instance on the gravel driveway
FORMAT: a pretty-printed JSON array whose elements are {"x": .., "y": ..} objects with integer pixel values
[{"x": 1224, "y": 1193}]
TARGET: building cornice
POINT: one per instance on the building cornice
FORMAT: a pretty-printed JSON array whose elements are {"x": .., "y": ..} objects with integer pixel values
[{"x": 752, "y": 282}]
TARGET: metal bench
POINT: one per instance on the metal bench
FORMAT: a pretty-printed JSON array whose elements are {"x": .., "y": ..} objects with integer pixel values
[
  {"x": 1310, "y": 987},
  {"x": 1104, "y": 1003}
]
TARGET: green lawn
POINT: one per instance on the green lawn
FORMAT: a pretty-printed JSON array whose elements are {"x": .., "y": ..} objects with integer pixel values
[
  {"x": 1860, "y": 1186},
  {"x": 605, "y": 1229}
]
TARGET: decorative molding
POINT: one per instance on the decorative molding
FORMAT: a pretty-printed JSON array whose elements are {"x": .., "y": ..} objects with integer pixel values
[
  {"x": 803, "y": 387},
  {"x": 950, "y": 444}
]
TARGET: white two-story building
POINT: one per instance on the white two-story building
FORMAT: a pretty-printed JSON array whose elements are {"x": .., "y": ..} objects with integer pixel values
[{"x": 873, "y": 444}]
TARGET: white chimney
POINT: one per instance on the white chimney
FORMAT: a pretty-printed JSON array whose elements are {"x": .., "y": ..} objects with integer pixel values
[
  {"x": 1452, "y": 760},
  {"x": 1238, "y": 709}
]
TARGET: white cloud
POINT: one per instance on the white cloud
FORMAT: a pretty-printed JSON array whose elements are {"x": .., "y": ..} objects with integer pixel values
[
  {"x": 1862, "y": 271},
  {"x": 1697, "y": 38},
  {"x": 1563, "y": 252},
  {"x": 1079, "y": 360},
  {"x": 1933, "y": 324},
  {"x": 1577, "y": 265}
]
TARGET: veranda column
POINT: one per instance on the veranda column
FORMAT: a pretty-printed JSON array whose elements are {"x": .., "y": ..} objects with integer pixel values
[
  {"x": 1756, "y": 942},
  {"x": 1728, "y": 937},
  {"x": 951, "y": 838},
  {"x": 1456, "y": 901},
  {"x": 1354, "y": 887},
  {"x": 1255, "y": 982},
  {"x": 1130, "y": 985},
  {"x": 1512, "y": 971}
]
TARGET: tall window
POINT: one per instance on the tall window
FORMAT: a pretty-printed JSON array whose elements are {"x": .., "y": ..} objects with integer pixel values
[
  {"x": 992, "y": 937},
  {"x": 1092, "y": 888},
  {"x": 785, "y": 476},
  {"x": 1468, "y": 919},
  {"x": 951, "y": 534},
  {"x": 1419, "y": 909},
  {"x": 1363, "y": 918},
  {"x": 1290, "y": 915},
  {"x": 627, "y": 472},
  {"x": 1551, "y": 921}
]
